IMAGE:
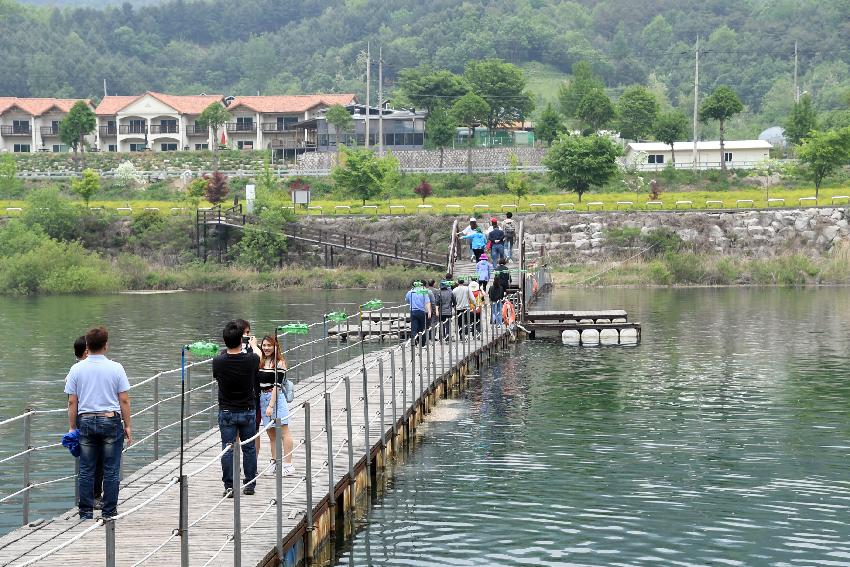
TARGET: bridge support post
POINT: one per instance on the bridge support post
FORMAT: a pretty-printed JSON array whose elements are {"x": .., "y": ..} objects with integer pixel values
[
  {"x": 278, "y": 487},
  {"x": 366, "y": 429},
  {"x": 188, "y": 401},
  {"x": 329, "y": 430},
  {"x": 395, "y": 411},
  {"x": 404, "y": 390},
  {"x": 237, "y": 512},
  {"x": 109, "y": 525},
  {"x": 156, "y": 418},
  {"x": 27, "y": 464},
  {"x": 352, "y": 492},
  {"x": 184, "y": 521},
  {"x": 308, "y": 470},
  {"x": 382, "y": 412}
]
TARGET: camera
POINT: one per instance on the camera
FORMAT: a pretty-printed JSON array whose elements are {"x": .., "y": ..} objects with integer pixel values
[{"x": 245, "y": 340}]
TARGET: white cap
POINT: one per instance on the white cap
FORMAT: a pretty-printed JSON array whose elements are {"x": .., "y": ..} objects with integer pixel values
[{"x": 472, "y": 219}]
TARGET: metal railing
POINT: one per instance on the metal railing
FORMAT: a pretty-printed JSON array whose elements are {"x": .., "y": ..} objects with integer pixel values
[{"x": 471, "y": 333}]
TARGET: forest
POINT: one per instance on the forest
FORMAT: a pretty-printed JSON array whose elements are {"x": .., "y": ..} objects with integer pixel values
[{"x": 299, "y": 46}]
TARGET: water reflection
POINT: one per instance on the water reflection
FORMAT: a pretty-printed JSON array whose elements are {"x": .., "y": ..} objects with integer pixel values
[{"x": 720, "y": 439}]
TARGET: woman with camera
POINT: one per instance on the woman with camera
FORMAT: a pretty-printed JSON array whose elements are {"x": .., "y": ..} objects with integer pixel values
[{"x": 272, "y": 376}]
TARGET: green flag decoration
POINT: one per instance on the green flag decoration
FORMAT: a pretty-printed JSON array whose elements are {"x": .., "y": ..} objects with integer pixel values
[
  {"x": 295, "y": 329},
  {"x": 201, "y": 348},
  {"x": 372, "y": 305},
  {"x": 337, "y": 316}
]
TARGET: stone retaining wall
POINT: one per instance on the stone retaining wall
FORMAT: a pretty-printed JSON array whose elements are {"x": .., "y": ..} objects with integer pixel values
[{"x": 481, "y": 157}]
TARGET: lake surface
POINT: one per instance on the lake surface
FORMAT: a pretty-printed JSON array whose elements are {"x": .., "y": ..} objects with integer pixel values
[
  {"x": 146, "y": 333},
  {"x": 722, "y": 439}
]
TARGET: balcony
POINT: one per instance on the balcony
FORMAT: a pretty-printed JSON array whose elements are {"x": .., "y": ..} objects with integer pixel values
[
  {"x": 15, "y": 130},
  {"x": 241, "y": 127},
  {"x": 275, "y": 127},
  {"x": 49, "y": 131},
  {"x": 108, "y": 130},
  {"x": 132, "y": 129},
  {"x": 193, "y": 130},
  {"x": 165, "y": 129}
]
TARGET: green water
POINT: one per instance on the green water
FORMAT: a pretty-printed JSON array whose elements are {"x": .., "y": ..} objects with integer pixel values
[
  {"x": 722, "y": 439},
  {"x": 146, "y": 332}
]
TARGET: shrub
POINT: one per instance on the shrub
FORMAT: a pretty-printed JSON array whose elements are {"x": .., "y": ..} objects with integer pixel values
[
  {"x": 53, "y": 213},
  {"x": 685, "y": 267},
  {"x": 260, "y": 249},
  {"x": 662, "y": 240},
  {"x": 625, "y": 237},
  {"x": 147, "y": 220},
  {"x": 658, "y": 273},
  {"x": 424, "y": 190},
  {"x": 217, "y": 188}
]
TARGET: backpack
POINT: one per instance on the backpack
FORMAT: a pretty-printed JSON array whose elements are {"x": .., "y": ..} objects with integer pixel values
[
  {"x": 510, "y": 230},
  {"x": 476, "y": 302},
  {"x": 504, "y": 277}
]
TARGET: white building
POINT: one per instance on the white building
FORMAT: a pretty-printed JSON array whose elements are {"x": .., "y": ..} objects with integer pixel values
[
  {"x": 32, "y": 124},
  {"x": 738, "y": 154}
]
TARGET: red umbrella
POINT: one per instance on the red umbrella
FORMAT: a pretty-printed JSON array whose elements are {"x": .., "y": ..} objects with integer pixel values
[{"x": 223, "y": 139}]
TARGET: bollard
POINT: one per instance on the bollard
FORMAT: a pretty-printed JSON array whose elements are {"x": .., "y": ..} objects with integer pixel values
[
  {"x": 393, "y": 386},
  {"x": 184, "y": 521},
  {"x": 110, "y": 542},
  {"x": 366, "y": 427},
  {"x": 27, "y": 465},
  {"x": 382, "y": 406},
  {"x": 308, "y": 469},
  {"x": 156, "y": 418},
  {"x": 330, "y": 430},
  {"x": 188, "y": 402},
  {"x": 278, "y": 486},
  {"x": 350, "y": 436},
  {"x": 237, "y": 493}
]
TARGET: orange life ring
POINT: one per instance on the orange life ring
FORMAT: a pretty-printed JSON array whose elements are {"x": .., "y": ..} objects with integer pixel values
[
  {"x": 508, "y": 313},
  {"x": 534, "y": 285}
]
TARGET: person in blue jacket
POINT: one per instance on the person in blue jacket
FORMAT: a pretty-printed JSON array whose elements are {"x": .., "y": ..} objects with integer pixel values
[
  {"x": 479, "y": 242},
  {"x": 485, "y": 270}
]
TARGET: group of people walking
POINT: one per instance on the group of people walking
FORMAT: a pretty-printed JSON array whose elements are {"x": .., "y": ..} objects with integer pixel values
[{"x": 252, "y": 393}]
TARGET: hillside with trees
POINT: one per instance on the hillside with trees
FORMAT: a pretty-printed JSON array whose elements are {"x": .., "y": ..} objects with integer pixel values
[{"x": 193, "y": 46}]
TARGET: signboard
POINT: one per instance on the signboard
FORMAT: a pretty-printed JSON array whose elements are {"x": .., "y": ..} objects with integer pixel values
[
  {"x": 300, "y": 197},
  {"x": 250, "y": 195}
]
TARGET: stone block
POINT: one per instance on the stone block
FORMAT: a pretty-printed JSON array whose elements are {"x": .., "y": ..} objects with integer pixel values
[
  {"x": 582, "y": 244},
  {"x": 688, "y": 234},
  {"x": 808, "y": 235},
  {"x": 576, "y": 236},
  {"x": 830, "y": 232},
  {"x": 578, "y": 228},
  {"x": 594, "y": 227},
  {"x": 715, "y": 232},
  {"x": 597, "y": 234},
  {"x": 755, "y": 230},
  {"x": 596, "y": 242},
  {"x": 751, "y": 221},
  {"x": 801, "y": 224},
  {"x": 787, "y": 233}
]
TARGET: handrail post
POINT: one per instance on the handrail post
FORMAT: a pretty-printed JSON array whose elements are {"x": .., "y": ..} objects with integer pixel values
[
  {"x": 442, "y": 352},
  {"x": 109, "y": 525},
  {"x": 382, "y": 406},
  {"x": 156, "y": 418},
  {"x": 393, "y": 386},
  {"x": 329, "y": 429},
  {"x": 308, "y": 469},
  {"x": 350, "y": 431},
  {"x": 421, "y": 370},
  {"x": 188, "y": 402},
  {"x": 27, "y": 465},
  {"x": 237, "y": 493},
  {"x": 366, "y": 428},
  {"x": 278, "y": 486},
  {"x": 184, "y": 521}
]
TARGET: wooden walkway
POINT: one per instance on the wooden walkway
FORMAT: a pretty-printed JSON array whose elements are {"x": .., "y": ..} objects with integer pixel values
[{"x": 155, "y": 523}]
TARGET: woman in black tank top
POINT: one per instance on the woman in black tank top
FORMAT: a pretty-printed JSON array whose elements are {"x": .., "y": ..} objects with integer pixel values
[{"x": 273, "y": 401}]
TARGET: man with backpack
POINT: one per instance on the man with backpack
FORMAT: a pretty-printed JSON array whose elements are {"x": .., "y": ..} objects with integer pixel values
[
  {"x": 446, "y": 308},
  {"x": 509, "y": 228}
]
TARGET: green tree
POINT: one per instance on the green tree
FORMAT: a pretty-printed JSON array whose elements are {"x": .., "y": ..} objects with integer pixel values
[
  {"x": 362, "y": 174},
  {"x": 502, "y": 85},
  {"x": 822, "y": 153},
  {"x": 670, "y": 127},
  {"x": 213, "y": 117},
  {"x": 8, "y": 173},
  {"x": 196, "y": 190},
  {"x": 54, "y": 213},
  {"x": 429, "y": 88},
  {"x": 721, "y": 105},
  {"x": 803, "y": 119},
  {"x": 339, "y": 117},
  {"x": 517, "y": 181},
  {"x": 77, "y": 124},
  {"x": 440, "y": 129},
  {"x": 470, "y": 110},
  {"x": 583, "y": 81},
  {"x": 637, "y": 110},
  {"x": 87, "y": 185},
  {"x": 595, "y": 111},
  {"x": 578, "y": 163},
  {"x": 550, "y": 125}
]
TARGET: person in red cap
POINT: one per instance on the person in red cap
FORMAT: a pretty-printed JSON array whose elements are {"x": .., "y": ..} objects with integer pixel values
[{"x": 496, "y": 237}]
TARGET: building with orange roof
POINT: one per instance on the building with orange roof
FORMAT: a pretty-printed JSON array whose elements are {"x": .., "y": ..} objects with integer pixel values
[{"x": 32, "y": 124}]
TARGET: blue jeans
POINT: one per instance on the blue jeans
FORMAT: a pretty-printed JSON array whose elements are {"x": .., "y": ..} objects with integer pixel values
[
  {"x": 244, "y": 424},
  {"x": 497, "y": 251},
  {"x": 497, "y": 313},
  {"x": 417, "y": 323},
  {"x": 509, "y": 247},
  {"x": 100, "y": 437}
]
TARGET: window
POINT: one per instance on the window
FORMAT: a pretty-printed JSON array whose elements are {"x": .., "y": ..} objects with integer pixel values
[
  {"x": 170, "y": 147},
  {"x": 112, "y": 148},
  {"x": 54, "y": 126},
  {"x": 168, "y": 126},
  {"x": 21, "y": 148},
  {"x": 286, "y": 122},
  {"x": 137, "y": 147},
  {"x": 137, "y": 127},
  {"x": 21, "y": 127},
  {"x": 655, "y": 158},
  {"x": 245, "y": 145},
  {"x": 202, "y": 146},
  {"x": 244, "y": 124},
  {"x": 727, "y": 156},
  {"x": 200, "y": 128},
  {"x": 59, "y": 148}
]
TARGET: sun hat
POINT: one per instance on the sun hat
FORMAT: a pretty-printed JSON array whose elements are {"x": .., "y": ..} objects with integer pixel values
[
  {"x": 472, "y": 219},
  {"x": 473, "y": 286},
  {"x": 494, "y": 219},
  {"x": 483, "y": 257}
]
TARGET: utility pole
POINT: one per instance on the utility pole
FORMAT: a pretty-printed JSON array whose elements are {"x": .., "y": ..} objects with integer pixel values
[
  {"x": 368, "y": 78},
  {"x": 105, "y": 94},
  {"x": 381, "y": 100},
  {"x": 696, "y": 107},
  {"x": 796, "y": 87}
]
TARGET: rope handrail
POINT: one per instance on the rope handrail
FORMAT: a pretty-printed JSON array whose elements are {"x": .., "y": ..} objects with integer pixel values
[{"x": 98, "y": 523}]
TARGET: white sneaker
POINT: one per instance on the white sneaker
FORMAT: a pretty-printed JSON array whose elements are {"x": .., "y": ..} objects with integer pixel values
[
  {"x": 273, "y": 470},
  {"x": 288, "y": 469}
]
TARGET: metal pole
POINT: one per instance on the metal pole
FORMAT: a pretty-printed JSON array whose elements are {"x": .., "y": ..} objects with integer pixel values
[
  {"x": 308, "y": 468},
  {"x": 237, "y": 493},
  {"x": 350, "y": 432},
  {"x": 366, "y": 428},
  {"x": 329, "y": 429},
  {"x": 442, "y": 354},
  {"x": 382, "y": 406},
  {"x": 421, "y": 371},
  {"x": 404, "y": 382},
  {"x": 27, "y": 465},
  {"x": 184, "y": 521},
  {"x": 156, "y": 418},
  {"x": 278, "y": 482},
  {"x": 393, "y": 386},
  {"x": 188, "y": 403},
  {"x": 110, "y": 543},
  {"x": 325, "y": 354},
  {"x": 312, "y": 358}
]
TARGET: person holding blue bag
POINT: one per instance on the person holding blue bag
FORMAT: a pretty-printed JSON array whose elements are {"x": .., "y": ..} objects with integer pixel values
[{"x": 276, "y": 391}]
